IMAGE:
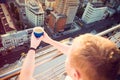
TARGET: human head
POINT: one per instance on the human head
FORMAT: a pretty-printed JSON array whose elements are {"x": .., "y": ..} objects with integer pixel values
[{"x": 93, "y": 58}]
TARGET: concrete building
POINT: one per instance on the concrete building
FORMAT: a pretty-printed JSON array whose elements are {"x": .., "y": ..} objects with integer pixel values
[
  {"x": 49, "y": 4},
  {"x": 83, "y": 3},
  {"x": 15, "y": 39},
  {"x": 67, "y": 7},
  {"x": 57, "y": 22},
  {"x": 93, "y": 12},
  {"x": 34, "y": 13},
  {"x": 70, "y": 9},
  {"x": 59, "y": 6},
  {"x": 64, "y": 13},
  {"x": 6, "y": 20},
  {"x": 21, "y": 9}
]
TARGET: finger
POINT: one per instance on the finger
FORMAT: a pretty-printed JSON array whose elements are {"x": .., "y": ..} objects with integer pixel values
[{"x": 33, "y": 36}]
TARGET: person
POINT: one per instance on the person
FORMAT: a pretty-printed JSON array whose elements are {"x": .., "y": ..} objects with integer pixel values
[{"x": 90, "y": 57}]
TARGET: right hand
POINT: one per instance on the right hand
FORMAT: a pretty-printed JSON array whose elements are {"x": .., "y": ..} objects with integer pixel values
[
  {"x": 46, "y": 38},
  {"x": 34, "y": 43}
]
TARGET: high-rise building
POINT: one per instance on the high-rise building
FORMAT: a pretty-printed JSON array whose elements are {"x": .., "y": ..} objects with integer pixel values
[
  {"x": 94, "y": 12},
  {"x": 21, "y": 10},
  {"x": 57, "y": 22},
  {"x": 64, "y": 13},
  {"x": 34, "y": 13},
  {"x": 59, "y": 6},
  {"x": 67, "y": 7},
  {"x": 49, "y": 4},
  {"x": 70, "y": 9}
]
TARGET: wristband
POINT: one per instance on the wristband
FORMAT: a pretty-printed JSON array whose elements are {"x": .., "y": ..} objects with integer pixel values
[{"x": 31, "y": 48}]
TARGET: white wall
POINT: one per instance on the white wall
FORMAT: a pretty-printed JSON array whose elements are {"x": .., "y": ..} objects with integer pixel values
[{"x": 92, "y": 14}]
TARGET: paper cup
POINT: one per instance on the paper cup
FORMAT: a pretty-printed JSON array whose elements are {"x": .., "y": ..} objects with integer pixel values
[{"x": 38, "y": 32}]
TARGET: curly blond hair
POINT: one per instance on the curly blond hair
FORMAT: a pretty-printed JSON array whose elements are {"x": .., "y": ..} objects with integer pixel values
[{"x": 97, "y": 58}]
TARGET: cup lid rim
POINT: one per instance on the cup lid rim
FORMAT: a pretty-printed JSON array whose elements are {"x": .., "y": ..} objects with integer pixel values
[{"x": 36, "y": 28}]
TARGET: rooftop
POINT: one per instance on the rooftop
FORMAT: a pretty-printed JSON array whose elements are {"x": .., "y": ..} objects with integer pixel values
[
  {"x": 6, "y": 19},
  {"x": 33, "y": 4},
  {"x": 97, "y": 5},
  {"x": 57, "y": 16},
  {"x": 21, "y": 2},
  {"x": 16, "y": 34},
  {"x": 35, "y": 7}
]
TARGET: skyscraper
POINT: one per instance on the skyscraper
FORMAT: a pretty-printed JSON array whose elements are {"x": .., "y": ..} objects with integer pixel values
[
  {"x": 34, "y": 13},
  {"x": 94, "y": 12},
  {"x": 70, "y": 9},
  {"x": 67, "y": 7},
  {"x": 64, "y": 13},
  {"x": 49, "y": 4},
  {"x": 59, "y": 6}
]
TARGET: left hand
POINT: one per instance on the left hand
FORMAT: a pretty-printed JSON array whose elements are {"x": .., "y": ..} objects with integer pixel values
[{"x": 35, "y": 41}]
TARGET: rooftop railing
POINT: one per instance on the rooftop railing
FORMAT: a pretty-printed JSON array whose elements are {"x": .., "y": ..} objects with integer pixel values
[{"x": 46, "y": 55}]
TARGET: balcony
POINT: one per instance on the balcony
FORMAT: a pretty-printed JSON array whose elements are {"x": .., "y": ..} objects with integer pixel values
[{"x": 49, "y": 64}]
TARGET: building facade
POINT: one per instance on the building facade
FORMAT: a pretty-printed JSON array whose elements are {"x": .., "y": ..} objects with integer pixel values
[
  {"x": 64, "y": 13},
  {"x": 67, "y": 7},
  {"x": 93, "y": 12},
  {"x": 15, "y": 39},
  {"x": 59, "y": 6},
  {"x": 49, "y": 4},
  {"x": 57, "y": 22},
  {"x": 34, "y": 13},
  {"x": 70, "y": 9}
]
